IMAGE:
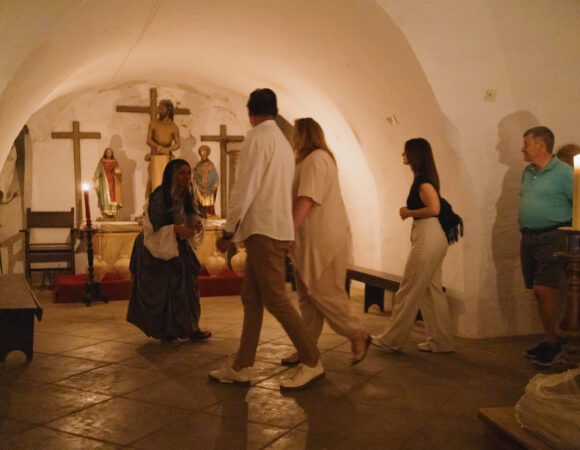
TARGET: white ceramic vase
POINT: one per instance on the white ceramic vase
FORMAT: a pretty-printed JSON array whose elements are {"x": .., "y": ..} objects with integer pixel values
[
  {"x": 121, "y": 268},
  {"x": 238, "y": 262},
  {"x": 215, "y": 264},
  {"x": 100, "y": 268}
]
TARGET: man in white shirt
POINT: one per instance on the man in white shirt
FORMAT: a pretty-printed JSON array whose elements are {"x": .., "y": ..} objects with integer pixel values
[{"x": 260, "y": 214}]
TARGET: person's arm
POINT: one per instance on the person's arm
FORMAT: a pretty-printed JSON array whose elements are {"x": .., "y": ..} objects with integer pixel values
[
  {"x": 176, "y": 141},
  {"x": 150, "y": 142},
  {"x": 430, "y": 199},
  {"x": 251, "y": 169},
  {"x": 301, "y": 210}
]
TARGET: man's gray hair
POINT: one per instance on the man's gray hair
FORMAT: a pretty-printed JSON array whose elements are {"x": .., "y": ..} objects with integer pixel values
[{"x": 543, "y": 133}]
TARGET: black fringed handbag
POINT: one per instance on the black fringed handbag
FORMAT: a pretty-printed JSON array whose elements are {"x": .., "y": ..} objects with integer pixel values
[{"x": 451, "y": 223}]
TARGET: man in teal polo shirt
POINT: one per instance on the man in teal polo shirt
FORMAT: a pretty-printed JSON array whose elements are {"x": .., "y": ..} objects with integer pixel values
[{"x": 545, "y": 205}]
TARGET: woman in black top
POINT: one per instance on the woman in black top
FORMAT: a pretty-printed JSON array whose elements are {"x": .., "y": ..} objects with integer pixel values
[{"x": 421, "y": 286}]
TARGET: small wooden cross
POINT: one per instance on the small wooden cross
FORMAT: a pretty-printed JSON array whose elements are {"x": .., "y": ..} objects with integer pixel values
[
  {"x": 152, "y": 108},
  {"x": 76, "y": 135},
  {"x": 223, "y": 139}
]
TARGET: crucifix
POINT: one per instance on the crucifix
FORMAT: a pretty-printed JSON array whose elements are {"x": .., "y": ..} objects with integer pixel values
[
  {"x": 76, "y": 135},
  {"x": 223, "y": 139},
  {"x": 152, "y": 108}
]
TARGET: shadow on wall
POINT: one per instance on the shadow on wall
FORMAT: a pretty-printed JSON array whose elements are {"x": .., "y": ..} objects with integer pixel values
[
  {"x": 505, "y": 232},
  {"x": 128, "y": 173}
]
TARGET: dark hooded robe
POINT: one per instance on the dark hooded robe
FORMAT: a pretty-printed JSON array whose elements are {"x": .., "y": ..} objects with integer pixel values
[{"x": 164, "y": 299}]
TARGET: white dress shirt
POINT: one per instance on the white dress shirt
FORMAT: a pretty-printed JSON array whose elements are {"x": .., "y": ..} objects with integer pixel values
[{"x": 261, "y": 198}]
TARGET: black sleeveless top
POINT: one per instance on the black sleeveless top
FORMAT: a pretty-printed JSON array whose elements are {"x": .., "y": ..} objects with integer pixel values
[{"x": 414, "y": 200}]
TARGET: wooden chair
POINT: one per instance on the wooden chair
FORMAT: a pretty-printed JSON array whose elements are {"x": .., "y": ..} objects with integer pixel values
[{"x": 49, "y": 253}]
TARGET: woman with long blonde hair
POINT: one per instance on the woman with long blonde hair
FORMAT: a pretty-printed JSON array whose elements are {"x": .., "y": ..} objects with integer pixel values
[{"x": 323, "y": 241}]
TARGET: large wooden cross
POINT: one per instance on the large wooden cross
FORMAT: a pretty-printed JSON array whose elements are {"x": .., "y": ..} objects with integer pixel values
[
  {"x": 223, "y": 139},
  {"x": 152, "y": 109},
  {"x": 76, "y": 135}
]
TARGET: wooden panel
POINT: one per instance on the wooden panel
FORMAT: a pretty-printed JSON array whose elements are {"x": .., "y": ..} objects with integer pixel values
[{"x": 50, "y": 219}]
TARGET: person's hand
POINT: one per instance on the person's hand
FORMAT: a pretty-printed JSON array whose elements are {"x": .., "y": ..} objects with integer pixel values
[
  {"x": 148, "y": 157},
  {"x": 182, "y": 231},
  {"x": 222, "y": 244},
  {"x": 404, "y": 212}
]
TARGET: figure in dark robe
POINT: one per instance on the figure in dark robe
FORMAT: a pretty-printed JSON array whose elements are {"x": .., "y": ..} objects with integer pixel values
[{"x": 164, "y": 299}]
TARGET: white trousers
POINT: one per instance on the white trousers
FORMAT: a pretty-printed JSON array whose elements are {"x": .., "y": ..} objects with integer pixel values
[
  {"x": 328, "y": 299},
  {"x": 421, "y": 288}
]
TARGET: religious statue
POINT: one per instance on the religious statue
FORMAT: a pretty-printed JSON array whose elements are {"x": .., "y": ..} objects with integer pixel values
[
  {"x": 206, "y": 179},
  {"x": 108, "y": 184},
  {"x": 163, "y": 139}
]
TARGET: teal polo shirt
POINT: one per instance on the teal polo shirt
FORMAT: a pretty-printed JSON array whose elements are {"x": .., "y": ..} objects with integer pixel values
[{"x": 546, "y": 196}]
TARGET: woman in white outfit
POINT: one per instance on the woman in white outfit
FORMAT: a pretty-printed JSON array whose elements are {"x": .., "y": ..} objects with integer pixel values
[
  {"x": 421, "y": 286},
  {"x": 322, "y": 243}
]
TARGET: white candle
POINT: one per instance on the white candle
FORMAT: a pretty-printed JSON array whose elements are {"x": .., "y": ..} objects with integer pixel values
[{"x": 576, "y": 198}]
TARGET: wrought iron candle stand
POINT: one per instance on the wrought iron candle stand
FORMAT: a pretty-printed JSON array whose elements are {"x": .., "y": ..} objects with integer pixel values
[
  {"x": 572, "y": 332},
  {"x": 93, "y": 288}
]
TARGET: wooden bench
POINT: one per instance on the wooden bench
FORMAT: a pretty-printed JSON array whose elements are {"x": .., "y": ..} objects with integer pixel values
[
  {"x": 18, "y": 306},
  {"x": 375, "y": 284}
]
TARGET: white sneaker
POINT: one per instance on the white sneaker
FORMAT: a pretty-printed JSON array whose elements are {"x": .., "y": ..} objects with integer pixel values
[
  {"x": 301, "y": 377},
  {"x": 376, "y": 342},
  {"x": 226, "y": 374}
]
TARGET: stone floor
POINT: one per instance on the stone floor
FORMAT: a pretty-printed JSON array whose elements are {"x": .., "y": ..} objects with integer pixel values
[{"x": 98, "y": 382}]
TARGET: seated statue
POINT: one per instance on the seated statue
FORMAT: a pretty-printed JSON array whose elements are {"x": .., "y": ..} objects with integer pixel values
[
  {"x": 108, "y": 184},
  {"x": 206, "y": 180}
]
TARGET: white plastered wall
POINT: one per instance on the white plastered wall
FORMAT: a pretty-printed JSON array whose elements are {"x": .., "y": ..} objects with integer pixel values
[{"x": 350, "y": 65}]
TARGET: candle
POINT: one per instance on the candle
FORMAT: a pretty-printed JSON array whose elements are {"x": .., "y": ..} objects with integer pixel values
[
  {"x": 87, "y": 207},
  {"x": 576, "y": 197}
]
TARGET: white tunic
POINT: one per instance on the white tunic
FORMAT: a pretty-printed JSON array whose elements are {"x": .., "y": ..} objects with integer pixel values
[
  {"x": 326, "y": 230},
  {"x": 261, "y": 198}
]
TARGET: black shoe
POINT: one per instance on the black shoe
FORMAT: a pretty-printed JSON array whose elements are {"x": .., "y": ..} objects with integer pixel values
[
  {"x": 549, "y": 355},
  {"x": 199, "y": 335},
  {"x": 533, "y": 352}
]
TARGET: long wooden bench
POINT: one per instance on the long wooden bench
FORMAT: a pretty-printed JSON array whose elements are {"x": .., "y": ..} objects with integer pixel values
[
  {"x": 18, "y": 306},
  {"x": 375, "y": 284}
]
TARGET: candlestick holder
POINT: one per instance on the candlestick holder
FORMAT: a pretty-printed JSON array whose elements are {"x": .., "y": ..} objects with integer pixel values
[
  {"x": 93, "y": 288},
  {"x": 571, "y": 333}
]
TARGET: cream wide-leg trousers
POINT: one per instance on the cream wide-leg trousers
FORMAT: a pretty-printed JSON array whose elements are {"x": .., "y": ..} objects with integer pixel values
[
  {"x": 421, "y": 288},
  {"x": 327, "y": 299}
]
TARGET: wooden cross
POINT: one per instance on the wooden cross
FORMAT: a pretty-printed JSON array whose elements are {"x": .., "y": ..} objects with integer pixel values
[
  {"x": 223, "y": 139},
  {"x": 76, "y": 135},
  {"x": 152, "y": 108}
]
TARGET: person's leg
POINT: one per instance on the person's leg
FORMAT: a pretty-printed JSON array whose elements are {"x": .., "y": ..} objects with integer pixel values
[
  {"x": 269, "y": 263},
  {"x": 311, "y": 316},
  {"x": 421, "y": 265},
  {"x": 253, "y": 310},
  {"x": 435, "y": 312},
  {"x": 548, "y": 310}
]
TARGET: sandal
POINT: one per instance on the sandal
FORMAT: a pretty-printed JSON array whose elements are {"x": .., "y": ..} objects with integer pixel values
[
  {"x": 355, "y": 359},
  {"x": 199, "y": 335},
  {"x": 291, "y": 360}
]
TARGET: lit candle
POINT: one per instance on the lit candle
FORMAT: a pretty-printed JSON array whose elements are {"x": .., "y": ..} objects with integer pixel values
[
  {"x": 576, "y": 197},
  {"x": 87, "y": 207}
]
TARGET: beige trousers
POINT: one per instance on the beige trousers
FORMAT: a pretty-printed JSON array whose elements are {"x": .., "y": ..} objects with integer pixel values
[
  {"x": 265, "y": 286},
  {"x": 328, "y": 299},
  {"x": 421, "y": 289}
]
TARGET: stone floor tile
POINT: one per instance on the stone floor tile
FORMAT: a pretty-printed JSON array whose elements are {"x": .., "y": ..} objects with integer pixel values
[
  {"x": 54, "y": 368},
  {"x": 273, "y": 352},
  {"x": 340, "y": 362},
  {"x": 58, "y": 343},
  {"x": 376, "y": 424},
  {"x": 183, "y": 392},
  {"x": 47, "y": 439},
  {"x": 440, "y": 433},
  {"x": 119, "y": 420},
  {"x": 169, "y": 362},
  {"x": 9, "y": 427},
  {"x": 264, "y": 406},
  {"x": 105, "y": 351},
  {"x": 47, "y": 402},
  {"x": 302, "y": 440},
  {"x": 425, "y": 398},
  {"x": 113, "y": 379},
  {"x": 206, "y": 431}
]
